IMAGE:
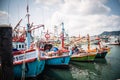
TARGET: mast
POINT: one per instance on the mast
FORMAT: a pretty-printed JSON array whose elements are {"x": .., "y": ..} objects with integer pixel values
[
  {"x": 62, "y": 35},
  {"x": 28, "y": 34},
  {"x": 55, "y": 33},
  {"x": 47, "y": 35},
  {"x": 88, "y": 42}
]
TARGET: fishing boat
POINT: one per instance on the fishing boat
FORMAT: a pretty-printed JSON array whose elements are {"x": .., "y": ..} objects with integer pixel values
[
  {"x": 82, "y": 55},
  {"x": 114, "y": 40},
  {"x": 27, "y": 61},
  {"x": 102, "y": 50},
  {"x": 60, "y": 56},
  {"x": 101, "y": 54}
]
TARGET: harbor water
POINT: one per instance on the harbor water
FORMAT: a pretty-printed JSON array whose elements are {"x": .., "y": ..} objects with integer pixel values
[{"x": 100, "y": 69}]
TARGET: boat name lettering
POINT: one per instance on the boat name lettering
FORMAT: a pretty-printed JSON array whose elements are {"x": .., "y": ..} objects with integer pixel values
[{"x": 24, "y": 56}]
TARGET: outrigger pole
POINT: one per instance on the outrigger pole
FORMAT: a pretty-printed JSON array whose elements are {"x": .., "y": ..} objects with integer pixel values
[
  {"x": 62, "y": 35},
  {"x": 88, "y": 38}
]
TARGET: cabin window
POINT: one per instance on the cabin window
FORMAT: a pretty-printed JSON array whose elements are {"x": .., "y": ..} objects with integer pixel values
[
  {"x": 19, "y": 46},
  {"x": 16, "y": 46},
  {"x": 22, "y": 46}
]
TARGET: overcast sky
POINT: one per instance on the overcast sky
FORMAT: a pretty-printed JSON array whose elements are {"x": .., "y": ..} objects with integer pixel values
[{"x": 79, "y": 16}]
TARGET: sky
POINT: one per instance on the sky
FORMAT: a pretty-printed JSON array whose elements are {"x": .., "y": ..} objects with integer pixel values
[{"x": 80, "y": 17}]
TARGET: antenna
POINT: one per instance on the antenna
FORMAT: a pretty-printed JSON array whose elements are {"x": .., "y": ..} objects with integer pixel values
[{"x": 27, "y": 11}]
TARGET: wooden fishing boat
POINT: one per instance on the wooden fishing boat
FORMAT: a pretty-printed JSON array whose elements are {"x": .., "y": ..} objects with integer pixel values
[
  {"x": 27, "y": 63},
  {"x": 58, "y": 60},
  {"x": 101, "y": 55},
  {"x": 60, "y": 56},
  {"x": 82, "y": 55},
  {"x": 102, "y": 51},
  {"x": 27, "y": 60}
]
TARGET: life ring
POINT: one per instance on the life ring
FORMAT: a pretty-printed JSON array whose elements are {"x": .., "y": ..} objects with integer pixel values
[{"x": 47, "y": 35}]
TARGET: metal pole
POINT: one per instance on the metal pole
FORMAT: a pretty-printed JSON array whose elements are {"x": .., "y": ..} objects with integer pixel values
[{"x": 6, "y": 52}]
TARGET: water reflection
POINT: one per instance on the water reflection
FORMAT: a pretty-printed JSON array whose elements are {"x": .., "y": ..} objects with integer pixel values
[
  {"x": 101, "y": 69},
  {"x": 56, "y": 74},
  {"x": 87, "y": 70},
  {"x": 80, "y": 73},
  {"x": 113, "y": 61}
]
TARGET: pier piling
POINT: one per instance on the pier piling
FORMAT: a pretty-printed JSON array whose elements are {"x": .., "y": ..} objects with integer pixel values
[{"x": 6, "y": 52}]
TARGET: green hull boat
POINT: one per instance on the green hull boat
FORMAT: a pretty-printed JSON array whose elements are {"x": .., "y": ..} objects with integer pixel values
[{"x": 83, "y": 57}]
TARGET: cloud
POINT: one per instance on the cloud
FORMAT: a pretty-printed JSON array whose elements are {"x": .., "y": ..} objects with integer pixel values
[
  {"x": 48, "y": 2},
  {"x": 84, "y": 7},
  {"x": 86, "y": 16},
  {"x": 3, "y": 14},
  {"x": 3, "y": 17}
]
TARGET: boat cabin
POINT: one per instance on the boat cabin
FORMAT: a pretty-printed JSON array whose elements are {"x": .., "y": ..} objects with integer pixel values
[{"x": 18, "y": 45}]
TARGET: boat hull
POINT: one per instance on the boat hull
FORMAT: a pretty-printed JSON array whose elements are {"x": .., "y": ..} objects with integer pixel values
[
  {"x": 90, "y": 57},
  {"x": 59, "y": 60},
  {"x": 101, "y": 55},
  {"x": 32, "y": 69}
]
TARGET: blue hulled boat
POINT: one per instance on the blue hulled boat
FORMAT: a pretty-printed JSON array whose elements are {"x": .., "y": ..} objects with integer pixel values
[
  {"x": 58, "y": 60},
  {"x": 27, "y": 60},
  {"x": 27, "y": 63},
  {"x": 56, "y": 56},
  {"x": 61, "y": 60}
]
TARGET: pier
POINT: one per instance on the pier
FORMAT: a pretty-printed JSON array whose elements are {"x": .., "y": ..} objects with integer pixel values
[{"x": 6, "y": 52}]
